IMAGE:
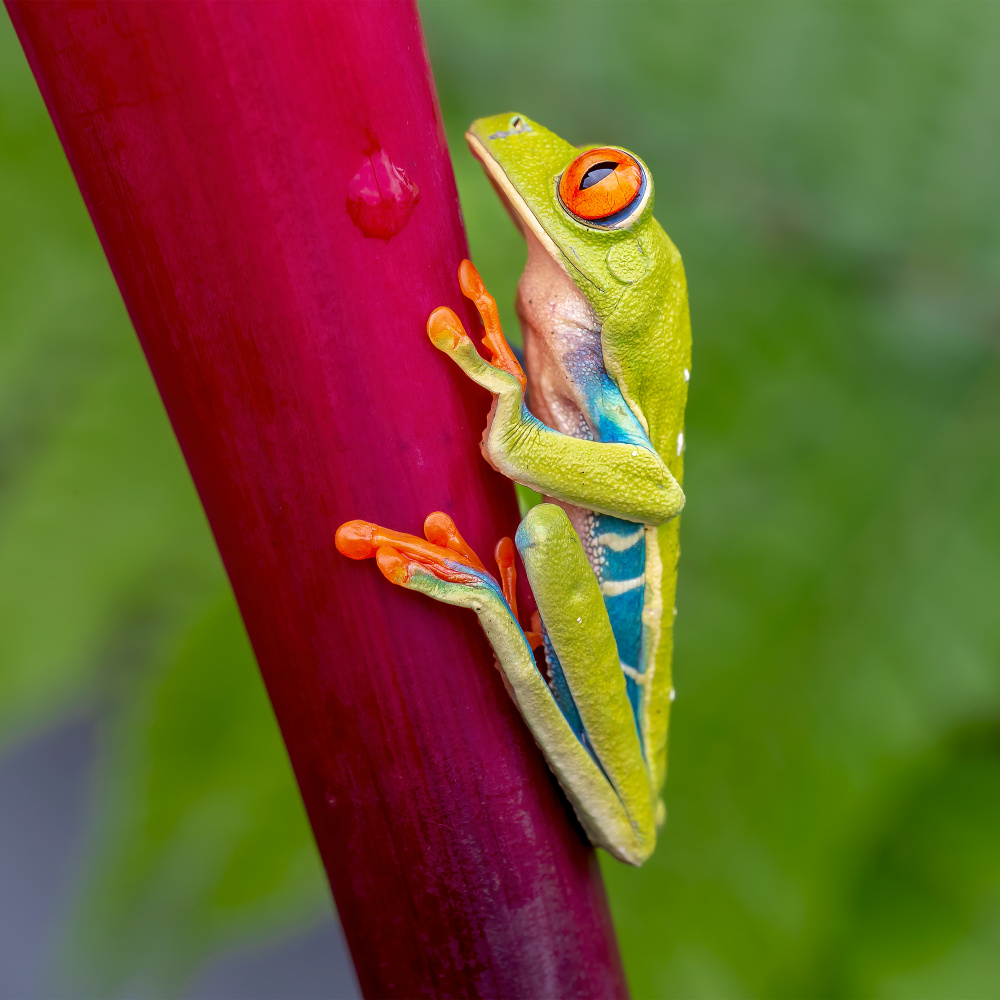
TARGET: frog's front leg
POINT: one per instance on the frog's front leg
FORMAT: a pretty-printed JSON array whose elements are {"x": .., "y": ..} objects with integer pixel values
[
  {"x": 581, "y": 718},
  {"x": 623, "y": 479}
]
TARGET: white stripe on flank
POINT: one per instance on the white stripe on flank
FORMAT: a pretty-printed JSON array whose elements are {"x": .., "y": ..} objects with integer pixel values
[
  {"x": 633, "y": 673},
  {"x": 619, "y": 543},
  {"x": 612, "y": 588}
]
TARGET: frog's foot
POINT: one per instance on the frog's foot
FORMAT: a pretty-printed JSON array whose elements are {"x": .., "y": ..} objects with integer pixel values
[
  {"x": 503, "y": 373},
  {"x": 408, "y": 560},
  {"x": 502, "y": 356},
  {"x": 442, "y": 565}
]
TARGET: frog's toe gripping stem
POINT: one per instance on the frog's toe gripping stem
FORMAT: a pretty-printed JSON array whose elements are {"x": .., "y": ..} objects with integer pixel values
[
  {"x": 394, "y": 567},
  {"x": 503, "y": 374},
  {"x": 494, "y": 340},
  {"x": 504, "y": 555},
  {"x": 440, "y": 529},
  {"x": 446, "y": 331},
  {"x": 407, "y": 559}
]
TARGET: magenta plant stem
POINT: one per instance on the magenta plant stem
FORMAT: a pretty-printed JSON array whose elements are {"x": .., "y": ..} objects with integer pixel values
[{"x": 272, "y": 188}]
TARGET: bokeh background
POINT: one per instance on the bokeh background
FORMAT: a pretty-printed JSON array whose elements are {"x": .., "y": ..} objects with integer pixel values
[{"x": 830, "y": 173}]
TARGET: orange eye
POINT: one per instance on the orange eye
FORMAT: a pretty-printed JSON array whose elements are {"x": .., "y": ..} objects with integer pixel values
[{"x": 600, "y": 183}]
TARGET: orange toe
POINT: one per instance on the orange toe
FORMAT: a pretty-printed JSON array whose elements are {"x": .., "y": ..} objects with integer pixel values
[
  {"x": 363, "y": 539},
  {"x": 534, "y": 634},
  {"x": 469, "y": 281},
  {"x": 393, "y": 566},
  {"x": 445, "y": 329},
  {"x": 355, "y": 539},
  {"x": 494, "y": 341},
  {"x": 504, "y": 555},
  {"x": 440, "y": 529}
]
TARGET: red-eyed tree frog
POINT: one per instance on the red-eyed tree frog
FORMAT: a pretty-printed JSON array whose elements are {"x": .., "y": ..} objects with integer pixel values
[{"x": 596, "y": 426}]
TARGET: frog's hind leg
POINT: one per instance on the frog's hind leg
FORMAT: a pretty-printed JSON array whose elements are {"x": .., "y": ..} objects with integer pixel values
[
  {"x": 453, "y": 576},
  {"x": 587, "y": 679}
]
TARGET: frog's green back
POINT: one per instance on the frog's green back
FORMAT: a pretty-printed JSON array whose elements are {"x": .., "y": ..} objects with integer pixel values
[
  {"x": 646, "y": 342},
  {"x": 651, "y": 363}
]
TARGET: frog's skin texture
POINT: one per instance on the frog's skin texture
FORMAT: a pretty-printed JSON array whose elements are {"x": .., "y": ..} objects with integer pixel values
[{"x": 599, "y": 432}]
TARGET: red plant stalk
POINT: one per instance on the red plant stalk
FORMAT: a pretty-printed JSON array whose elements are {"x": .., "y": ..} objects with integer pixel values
[{"x": 272, "y": 188}]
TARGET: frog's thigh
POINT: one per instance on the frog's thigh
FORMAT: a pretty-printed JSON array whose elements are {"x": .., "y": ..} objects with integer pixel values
[{"x": 576, "y": 620}]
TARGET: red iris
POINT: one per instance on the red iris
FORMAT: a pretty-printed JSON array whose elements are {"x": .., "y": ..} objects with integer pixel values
[{"x": 600, "y": 183}]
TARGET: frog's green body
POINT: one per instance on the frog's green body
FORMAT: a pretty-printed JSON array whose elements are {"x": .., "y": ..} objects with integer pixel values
[{"x": 603, "y": 305}]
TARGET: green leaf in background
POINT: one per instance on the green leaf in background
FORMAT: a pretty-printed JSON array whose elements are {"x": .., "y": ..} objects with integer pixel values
[
  {"x": 203, "y": 840},
  {"x": 112, "y": 598},
  {"x": 925, "y": 893},
  {"x": 829, "y": 173},
  {"x": 103, "y": 548}
]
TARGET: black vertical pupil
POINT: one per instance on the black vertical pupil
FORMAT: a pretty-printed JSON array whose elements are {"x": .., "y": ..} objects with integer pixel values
[{"x": 597, "y": 173}]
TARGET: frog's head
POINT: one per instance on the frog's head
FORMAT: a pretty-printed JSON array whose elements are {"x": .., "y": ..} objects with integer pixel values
[{"x": 590, "y": 207}]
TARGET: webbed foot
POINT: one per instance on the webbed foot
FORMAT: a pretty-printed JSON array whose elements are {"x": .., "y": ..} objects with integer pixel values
[
  {"x": 447, "y": 334},
  {"x": 442, "y": 564},
  {"x": 400, "y": 556},
  {"x": 502, "y": 355}
]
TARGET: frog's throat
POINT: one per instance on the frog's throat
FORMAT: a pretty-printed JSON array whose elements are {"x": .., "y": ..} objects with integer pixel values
[{"x": 516, "y": 205}]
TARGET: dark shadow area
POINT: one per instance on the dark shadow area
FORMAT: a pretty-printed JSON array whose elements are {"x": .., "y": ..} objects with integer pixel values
[
  {"x": 311, "y": 965},
  {"x": 45, "y": 787}
]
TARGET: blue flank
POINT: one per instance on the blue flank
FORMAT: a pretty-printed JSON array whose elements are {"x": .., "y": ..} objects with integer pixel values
[
  {"x": 613, "y": 422},
  {"x": 624, "y": 610}
]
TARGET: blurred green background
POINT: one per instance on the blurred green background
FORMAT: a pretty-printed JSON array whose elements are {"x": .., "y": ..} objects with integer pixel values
[{"x": 830, "y": 173}]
